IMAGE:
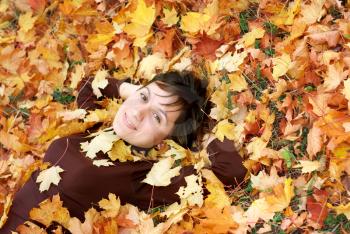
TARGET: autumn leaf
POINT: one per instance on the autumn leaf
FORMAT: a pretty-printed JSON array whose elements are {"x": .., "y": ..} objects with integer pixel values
[
  {"x": 111, "y": 206},
  {"x": 99, "y": 82},
  {"x": 141, "y": 20},
  {"x": 161, "y": 172},
  {"x": 48, "y": 177},
  {"x": 51, "y": 210},
  {"x": 170, "y": 16},
  {"x": 192, "y": 193},
  {"x": 317, "y": 206},
  {"x": 120, "y": 151},
  {"x": 103, "y": 141}
]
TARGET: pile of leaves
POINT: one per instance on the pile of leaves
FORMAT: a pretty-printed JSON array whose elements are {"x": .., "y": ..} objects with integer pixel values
[{"x": 278, "y": 78}]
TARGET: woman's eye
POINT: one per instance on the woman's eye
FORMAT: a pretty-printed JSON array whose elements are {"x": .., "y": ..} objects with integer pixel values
[
  {"x": 156, "y": 117},
  {"x": 143, "y": 97}
]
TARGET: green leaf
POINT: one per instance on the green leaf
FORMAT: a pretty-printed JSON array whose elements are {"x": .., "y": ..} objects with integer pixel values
[
  {"x": 63, "y": 97},
  {"x": 288, "y": 157}
]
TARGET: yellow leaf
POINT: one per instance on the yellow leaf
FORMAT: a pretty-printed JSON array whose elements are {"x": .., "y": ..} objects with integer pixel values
[
  {"x": 26, "y": 21},
  {"x": 120, "y": 151},
  {"x": 238, "y": 82},
  {"x": 161, "y": 172},
  {"x": 111, "y": 206},
  {"x": 150, "y": 65},
  {"x": 250, "y": 37},
  {"x": 141, "y": 20},
  {"x": 308, "y": 166},
  {"x": 346, "y": 90},
  {"x": 293, "y": 9},
  {"x": 49, "y": 211},
  {"x": 225, "y": 129},
  {"x": 276, "y": 201},
  {"x": 194, "y": 22},
  {"x": 170, "y": 16},
  {"x": 255, "y": 147},
  {"x": 70, "y": 115},
  {"x": 11, "y": 141},
  {"x": 98, "y": 115},
  {"x": 96, "y": 40},
  {"x": 99, "y": 82},
  {"x": 335, "y": 75},
  {"x": 262, "y": 181},
  {"x": 103, "y": 141},
  {"x": 313, "y": 12},
  {"x": 193, "y": 192},
  {"x": 280, "y": 65},
  {"x": 48, "y": 177},
  {"x": 341, "y": 209},
  {"x": 231, "y": 62},
  {"x": 217, "y": 196},
  {"x": 77, "y": 75}
]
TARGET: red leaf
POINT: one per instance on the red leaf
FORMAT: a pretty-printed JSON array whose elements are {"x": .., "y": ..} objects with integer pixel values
[
  {"x": 165, "y": 45},
  {"x": 316, "y": 205},
  {"x": 206, "y": 47}
]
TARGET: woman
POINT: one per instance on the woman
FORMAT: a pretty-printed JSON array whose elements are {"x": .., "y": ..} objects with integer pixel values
[{"x": 169, "y": 106}]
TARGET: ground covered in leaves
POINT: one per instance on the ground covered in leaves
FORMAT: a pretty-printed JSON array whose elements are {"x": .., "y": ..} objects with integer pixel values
[{"x": 279, "y": 82}]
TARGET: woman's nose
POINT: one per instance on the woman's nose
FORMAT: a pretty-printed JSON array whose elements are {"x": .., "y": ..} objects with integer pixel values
[{"x": 137, "y": 113}]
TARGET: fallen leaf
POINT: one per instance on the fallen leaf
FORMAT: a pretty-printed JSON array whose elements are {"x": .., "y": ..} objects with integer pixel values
[
  {"x": 48, "y": 177},
  {"x": 161, "y": 172}
]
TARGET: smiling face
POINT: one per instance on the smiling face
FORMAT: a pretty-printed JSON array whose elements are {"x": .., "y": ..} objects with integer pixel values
[{"x": 143, "y": 119}]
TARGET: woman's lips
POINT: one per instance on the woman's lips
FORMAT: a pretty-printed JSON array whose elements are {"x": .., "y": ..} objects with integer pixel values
[{"x": 127, "y": 123}]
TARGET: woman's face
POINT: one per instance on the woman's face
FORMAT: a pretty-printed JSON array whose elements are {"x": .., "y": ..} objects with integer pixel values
[{"x": 143, "y": 119}]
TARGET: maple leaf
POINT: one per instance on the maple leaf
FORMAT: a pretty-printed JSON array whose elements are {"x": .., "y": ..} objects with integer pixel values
[
  {"x": 70, "y": 115},
  {"x": 217, "y": 196},
  {"x": 99, "y": 82},
  {"x": 281, "y": 65},
  {"x": 263, "y": 181},
  {"x": 308, "y": 166},
  {"x": 51, "y": 210},
  {"x": 313, "y": 12},
  {"x": 170, "y": 16},
  {"x": 266, "y": 206},
  {"x": 231, "y": 62},
  {"x": 141, "y": 20},
  {"x": 207, "y": 46},
  {"x": 102, "y": 162},
  {"x": 120, "y": 151},
  {"x": 150, "y": 65},
  {"x": 161, "y": 172},
  {"x": 225, "y": 129},
  {"x": 111, "y": 206},
  {"x": 165, "y": 45},
  {"x": 48, "y": 177},
  {"x": 250, "y": 37},
  {"x": 341, "y": 209},
  {"x": 75, "y": 226},
  {"x": 238, "y": 82},
  {"x": 103, "y": 141},
  {"x": 193, "y": 192}
]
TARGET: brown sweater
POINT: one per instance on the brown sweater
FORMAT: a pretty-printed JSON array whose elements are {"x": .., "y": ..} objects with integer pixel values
[{"x": 83, "y": 184}]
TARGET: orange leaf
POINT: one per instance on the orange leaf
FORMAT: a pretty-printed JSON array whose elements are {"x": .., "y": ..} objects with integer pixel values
[
  {"x": 37, "y": 5},
  {"x": 206, "y": 47},
  {"x": 165, "y": 45}
]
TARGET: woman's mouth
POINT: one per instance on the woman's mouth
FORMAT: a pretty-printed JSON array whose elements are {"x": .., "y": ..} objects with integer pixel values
[{"x": 127, "y": 123}]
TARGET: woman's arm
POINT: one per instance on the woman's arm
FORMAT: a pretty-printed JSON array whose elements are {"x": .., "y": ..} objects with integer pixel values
[
  {"x": 227, "y": 164},
  {"x": 116, "y": 88}
]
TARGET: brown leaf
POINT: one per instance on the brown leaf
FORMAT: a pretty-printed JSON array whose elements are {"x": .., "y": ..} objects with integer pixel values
[{"x": 206, "y": 47}]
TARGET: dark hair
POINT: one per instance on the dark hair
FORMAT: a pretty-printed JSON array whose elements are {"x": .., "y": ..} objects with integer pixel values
[{"x": 191, "y": 92}]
